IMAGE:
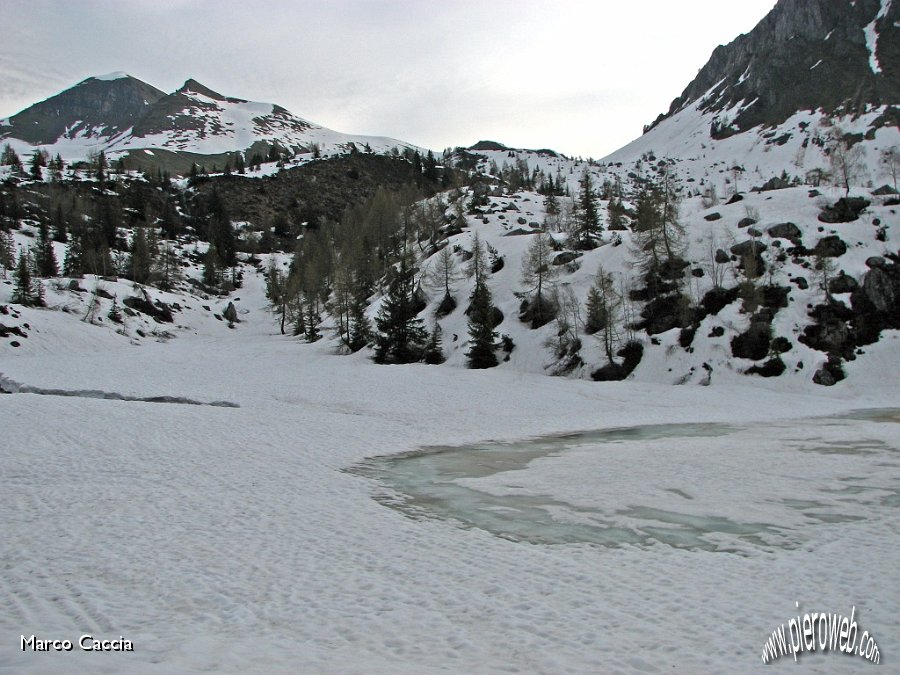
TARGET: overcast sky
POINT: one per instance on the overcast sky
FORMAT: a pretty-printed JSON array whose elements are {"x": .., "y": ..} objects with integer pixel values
[{"x": 581, "y": 77}]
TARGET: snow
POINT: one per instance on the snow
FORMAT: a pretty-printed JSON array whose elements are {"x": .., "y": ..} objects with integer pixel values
[
  {"x": 239, "y": 539},
  {"x": 816, "y": 64},
  {"x": 871, "y": 33},
  {"x": 117, "y": 75}
]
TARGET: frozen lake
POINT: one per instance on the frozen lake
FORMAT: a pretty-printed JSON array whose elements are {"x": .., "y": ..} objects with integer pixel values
[{"x": 528, "y": 491}]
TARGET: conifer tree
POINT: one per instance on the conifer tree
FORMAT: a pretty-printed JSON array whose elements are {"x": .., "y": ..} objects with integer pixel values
[
  {"x": 211, "y": 267},
  {"x": 401, "y": 335},
  {"x": 60, "y": 226},
  {"x": 38, "y": 162},
  {"x": 434, "y": 352},
  {"x": 23, "y": 292},
  {"x": 588, "y": 219},
  {"x": 139, "y": 260},
  {"x": 44, "y": 257},
  {"x": 10, "y": 158},
  {"x": 360, "y": 328},
  {"x": 73, "y": 263},
  {"x": 7, "y": 253},
  {"x": 481, "y": 328}
]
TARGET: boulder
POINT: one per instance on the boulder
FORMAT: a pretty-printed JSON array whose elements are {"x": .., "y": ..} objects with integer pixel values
[
  {"x": 787, "y": 231},
  {"x": 879, "y": 289},
  {"x": 842, "y": 283},
  {"x": 565, "y": 257},
  {"x": 830, "y": 247},
  {"x": 844, "y": 210},
  {"x": 230, "y": 314}
]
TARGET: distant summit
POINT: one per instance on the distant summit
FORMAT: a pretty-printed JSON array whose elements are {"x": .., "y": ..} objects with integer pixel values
[{"x": 147, "y": 128}]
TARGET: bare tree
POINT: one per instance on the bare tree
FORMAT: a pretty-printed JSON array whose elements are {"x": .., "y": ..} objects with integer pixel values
[
  {"x": 537, "y": 272},
  {"x": 604, "y": 311},
  {"x": 890, "y": 160},
  {"x": 846, "y": 159}
]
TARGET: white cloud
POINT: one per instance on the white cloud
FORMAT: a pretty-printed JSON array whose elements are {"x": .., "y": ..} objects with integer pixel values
[{"x": 582, "y": 77}]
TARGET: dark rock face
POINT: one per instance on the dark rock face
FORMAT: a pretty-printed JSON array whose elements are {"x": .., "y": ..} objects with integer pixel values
[
  {"x": 112, "y": 105},
  {"x": 773, "y": 64}
]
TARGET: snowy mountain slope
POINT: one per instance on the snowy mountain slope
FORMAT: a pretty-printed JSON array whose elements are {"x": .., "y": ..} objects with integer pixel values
[{"x": 127, "y": 118}]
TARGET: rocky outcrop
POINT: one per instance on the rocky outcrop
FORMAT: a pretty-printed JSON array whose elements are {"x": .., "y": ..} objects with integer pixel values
[
  {"x": 108, "y": 106},
  {"x": 805, "y": 54}
]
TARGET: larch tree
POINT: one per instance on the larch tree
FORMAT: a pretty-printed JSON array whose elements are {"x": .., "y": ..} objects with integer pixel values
[{"x": 538, "y": 272}]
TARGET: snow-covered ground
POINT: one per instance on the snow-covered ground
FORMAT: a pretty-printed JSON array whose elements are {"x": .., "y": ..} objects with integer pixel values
[{"x": 235, "y": 539}]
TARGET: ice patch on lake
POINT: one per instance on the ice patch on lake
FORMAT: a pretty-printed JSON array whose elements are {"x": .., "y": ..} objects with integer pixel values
[{"x": 683, "y": 495}]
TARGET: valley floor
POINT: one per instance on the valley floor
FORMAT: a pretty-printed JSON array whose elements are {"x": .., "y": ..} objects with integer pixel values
[{"x": 232, "y": 539}]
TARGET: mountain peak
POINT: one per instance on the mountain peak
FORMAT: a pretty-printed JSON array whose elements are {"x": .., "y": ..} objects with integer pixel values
[
  {"x": 192, "y": 86},
  {"x": 108, "y": 77}
]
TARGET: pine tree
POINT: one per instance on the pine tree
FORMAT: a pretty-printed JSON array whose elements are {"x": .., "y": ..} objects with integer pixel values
[
  {"x": 211, "y": 267},
  {"x": 401, "y": 335},
  {"x": 7, "y": 253},
  {"x": 23, "y": 292},
  {"x": 60, "y": 226},
  {"x": 101, "y": 168},
  {"x": 360, "y": 327},
  {"x": 481, "y": 328},
  {"x": 167, "y": 268},
  {"x": 38, "y": 162},
  {"x": 139, "y": 260},
  {"x": 434, "y": 352},
  {"x": 115, "y": 314},
  {"x": 44, "y": 258},
  {"x": 588, "y": 219},
  {"x": 73, "y": 263},
  {"x": 10, "y": 158}
]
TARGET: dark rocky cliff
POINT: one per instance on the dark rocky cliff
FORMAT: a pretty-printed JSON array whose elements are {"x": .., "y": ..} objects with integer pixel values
[
  {"x": 110, "y": 106},
  {"x": 805, "y": 54}
]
